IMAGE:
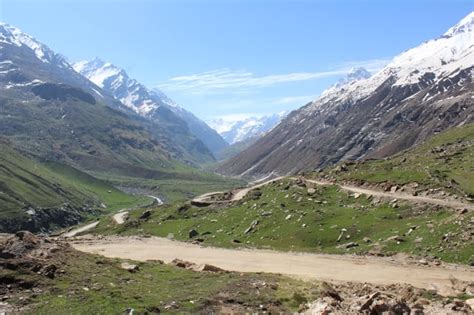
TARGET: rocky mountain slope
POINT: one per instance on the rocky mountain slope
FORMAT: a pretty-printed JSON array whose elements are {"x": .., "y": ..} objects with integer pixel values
[
  {"x": 151, "y": 104},
  {"x": 235, "y": 130},
  {"x": 421, "y": 92},
  {"x": 50, "y": 110}
]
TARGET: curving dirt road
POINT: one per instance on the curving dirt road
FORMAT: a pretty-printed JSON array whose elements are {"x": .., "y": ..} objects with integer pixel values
[
  {"x": 238, "y": 193},
  {"x": 81, "y": 229},
  {"x": 398, "y": 195},
  {"x": 119, "y": 217},
  {"x": 336, "y": 268}
]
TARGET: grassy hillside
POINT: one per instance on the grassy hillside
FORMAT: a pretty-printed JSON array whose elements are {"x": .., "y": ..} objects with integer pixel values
[
  {"x": 446, "y": 160},
  {"x": 49, "y": 187}
]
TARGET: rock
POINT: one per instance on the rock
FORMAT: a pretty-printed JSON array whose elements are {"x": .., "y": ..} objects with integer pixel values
[
  {"x": 470, "y": 303},
  {"x": 368, "y": 302},
  {"x": 393, "y": 189},
  {"x": 146, "y": 215},
  {"x": 129, "y": 267},
  {"x": 367, "y": 240},
  {"x": 182, "y": 263},
  {"x": 209, "y": 268},
  {"x": 348, "y": 245},
  {"x": 267, "y": 214},
  {"x": 396, "y": 238},
  {"x": 252, "y": 227},
  {"x": 423, "y": 261},
  {"x": 288, "y": 217},
  {"x": 328, "y": 290},
  {"x": 319, "y": 307},
  {"x": 356, "y": 195},
  {"x": 311, "y": 191},
  {"x": 193, "y": 233}
]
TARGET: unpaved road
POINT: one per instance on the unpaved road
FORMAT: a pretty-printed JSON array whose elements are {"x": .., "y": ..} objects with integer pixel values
[
  {"x": 238, "y": 193},
  {"x": 335, "y": 268},
  {"x": 399, "y": 195},
  {"x": 81, "y": 229},
  {"x": 119, "y": 217}
]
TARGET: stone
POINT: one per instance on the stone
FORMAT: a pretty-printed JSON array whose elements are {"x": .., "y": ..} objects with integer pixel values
[
  {"x": 209, "y": 268},
  {"x": 311, "y": 191},
  {"x": 252, "y": 227},
  {"x": 145, "y": 215},
  {"x": 129, "y": 267},
  {"x": 288, "y": 217},
  {"x": 193, "y": 233}
]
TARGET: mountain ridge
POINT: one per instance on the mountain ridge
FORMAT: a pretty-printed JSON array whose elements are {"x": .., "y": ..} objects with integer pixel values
[
  {"x": 148, "y": 103},
  {"x": 423, "y": 90}
]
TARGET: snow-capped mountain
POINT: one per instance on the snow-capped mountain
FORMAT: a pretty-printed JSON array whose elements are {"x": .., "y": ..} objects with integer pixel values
[
  {"x": 152, "y": 104},
  {"x": 420, "y": 92},
  {"x": 238, "y": 128},
  {"x": 50, "y": 110}
]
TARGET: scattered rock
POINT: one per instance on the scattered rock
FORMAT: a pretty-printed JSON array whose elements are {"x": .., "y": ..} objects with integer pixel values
[
  {"x": 129, "y": 267},
  {"x": 288, "y": 217},
  {"x": 311, "y": 191}
]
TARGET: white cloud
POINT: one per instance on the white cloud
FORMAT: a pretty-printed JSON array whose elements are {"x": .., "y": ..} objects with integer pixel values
[
  {"x": 242, "y": 81},
  {"x": 295, "y": 100}
]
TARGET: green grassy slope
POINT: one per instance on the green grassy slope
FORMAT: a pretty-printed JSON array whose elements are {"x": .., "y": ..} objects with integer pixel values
[
  {"x": 446, "y": 160},
  {"x": 26, "y": 183},
  {"x": 291, "y": 218}
]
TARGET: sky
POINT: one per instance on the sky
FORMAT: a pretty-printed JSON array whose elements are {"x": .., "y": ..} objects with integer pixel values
[{"x": 235, "y": 57}]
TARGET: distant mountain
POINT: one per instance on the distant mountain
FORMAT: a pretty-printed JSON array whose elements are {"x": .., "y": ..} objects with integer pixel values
[
  {"x": 241, "y": 129},
  {"x": 148, "y": 103},
  {"x": 423, "y": 91},
  {"x": 49, "y": 110}
]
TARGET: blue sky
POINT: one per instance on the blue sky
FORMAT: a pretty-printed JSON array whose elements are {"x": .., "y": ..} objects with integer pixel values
[{"x": 229, "y": 57}]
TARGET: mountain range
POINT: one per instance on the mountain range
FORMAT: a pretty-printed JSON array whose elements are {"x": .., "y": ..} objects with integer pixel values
[
  {"x": 152, "y": 104},
  {"x": 421, "y": 92},
  {"x": 236, "y": 129}
]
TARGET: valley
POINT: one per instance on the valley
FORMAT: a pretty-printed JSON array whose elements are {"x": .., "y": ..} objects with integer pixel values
[{"x": 117, "y": 199}]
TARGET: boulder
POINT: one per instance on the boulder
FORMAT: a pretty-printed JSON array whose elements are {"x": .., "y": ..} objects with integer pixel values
[
  {"x": 129, "y": 267},
  {"x": 145, "y": 215},
  {"x": 193, "y": 233}
]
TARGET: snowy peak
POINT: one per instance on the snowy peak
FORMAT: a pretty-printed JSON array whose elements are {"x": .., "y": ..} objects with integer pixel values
[
  {"x": 117, "y": 82},
  {"x": 237, "y": 128},
  {"x": 431, "y": 62},
  {"x": 465, "y": 25},
  {"x": 97, "y": 70},
  {"x": 359, "y": 73},
  {"x": 354, "y": 75},
  {"x": 14, "y": 36},
  {"x": 152, "y": 104}
]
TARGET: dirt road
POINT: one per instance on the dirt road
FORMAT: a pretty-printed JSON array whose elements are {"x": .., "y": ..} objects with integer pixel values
[
  {"x": 81, "y": 229},
  {"x": 238, "y": 193},
  {"x": 336, "y": 268},
  {"x": 399, "y": 195},
  {"x": 119, "y": 217}
]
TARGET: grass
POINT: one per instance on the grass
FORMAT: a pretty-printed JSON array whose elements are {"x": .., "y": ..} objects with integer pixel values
[
  {"x": 93, "y": 284},
  {"x": 291, "y": 219},
  {"x": 26, "y": 182},
  {"x": 445, "y": 160}
]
